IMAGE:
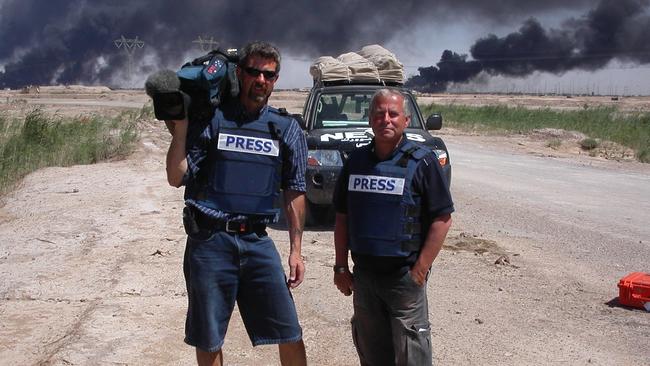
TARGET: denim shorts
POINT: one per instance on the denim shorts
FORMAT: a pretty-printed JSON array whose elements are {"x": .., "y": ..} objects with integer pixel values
[{"x": 221, "y": 268}]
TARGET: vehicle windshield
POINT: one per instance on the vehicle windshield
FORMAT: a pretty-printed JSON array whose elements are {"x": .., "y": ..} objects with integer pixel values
[{"x": 342, "y": 110}]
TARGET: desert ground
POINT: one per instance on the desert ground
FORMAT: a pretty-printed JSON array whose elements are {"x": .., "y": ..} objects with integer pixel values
[{"x": 91, "y": 256}]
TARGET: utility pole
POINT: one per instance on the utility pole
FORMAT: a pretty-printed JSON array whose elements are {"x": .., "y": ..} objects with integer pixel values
[
  {"x": 129, "y": 45},
  {"x": 206, "y": 44}
]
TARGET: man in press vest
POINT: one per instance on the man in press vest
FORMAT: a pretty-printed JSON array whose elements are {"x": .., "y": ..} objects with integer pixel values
[
  {"x": 233, "y": 173},
  {"x": 393, "y": 211}
]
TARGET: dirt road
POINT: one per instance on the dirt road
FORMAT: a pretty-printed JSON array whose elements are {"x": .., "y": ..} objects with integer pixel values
[{"x": 90, "y": 264}]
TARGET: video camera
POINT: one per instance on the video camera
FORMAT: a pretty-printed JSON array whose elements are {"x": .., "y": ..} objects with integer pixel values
[{"x": 197, "y": 88}]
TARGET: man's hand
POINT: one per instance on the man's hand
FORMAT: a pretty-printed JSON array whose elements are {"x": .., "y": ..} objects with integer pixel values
[
  {"x": 296, "y": 270},
  {"x": 344, "y": 282},
  {"x": 171, "y": 125},
  {"x": 342, "y": 279},
  {"x": 432, "y": 245},
  {"x": 419, "y": 274},
  {"x": 294, "y": 208}
]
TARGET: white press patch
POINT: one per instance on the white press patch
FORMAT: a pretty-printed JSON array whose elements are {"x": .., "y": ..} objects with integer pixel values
[
  {"x": 247, "y": 144},
  {"x": 376, "y": 184}
]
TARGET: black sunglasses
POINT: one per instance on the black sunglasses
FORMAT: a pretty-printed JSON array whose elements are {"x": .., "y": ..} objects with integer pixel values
[{"x": 268, "y": 75}]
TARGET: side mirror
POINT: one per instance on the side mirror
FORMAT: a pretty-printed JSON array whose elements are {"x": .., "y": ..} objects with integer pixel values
[
  {"x": 301, "y": 121},
  {"x": 434, "y": 122}
]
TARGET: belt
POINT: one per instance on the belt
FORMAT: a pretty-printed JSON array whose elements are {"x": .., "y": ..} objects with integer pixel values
[{"x": 235, "y": 227}]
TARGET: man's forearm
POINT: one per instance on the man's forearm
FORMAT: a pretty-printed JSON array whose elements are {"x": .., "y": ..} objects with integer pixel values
[
  {"x": 342, "y": 278},
  {"x": 176, "y": 164},
  {"x": 341, "y": 239},
  {"x": 294, "y": 204},
  {"x": 433, "y": 243}
]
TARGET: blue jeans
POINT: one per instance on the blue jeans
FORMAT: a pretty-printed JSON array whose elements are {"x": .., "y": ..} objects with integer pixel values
[
  {"x": 390, "y": 325},
  {"x": 221, "y": 268}
]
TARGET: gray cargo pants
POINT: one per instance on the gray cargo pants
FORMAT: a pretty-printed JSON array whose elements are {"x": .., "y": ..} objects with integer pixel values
[{"x": 390, "y": 325}]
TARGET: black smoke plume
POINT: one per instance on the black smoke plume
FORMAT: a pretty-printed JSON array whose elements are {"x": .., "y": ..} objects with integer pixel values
[
  {"x": 71, "y": 41},
  {"x": 615, "y": 29}
]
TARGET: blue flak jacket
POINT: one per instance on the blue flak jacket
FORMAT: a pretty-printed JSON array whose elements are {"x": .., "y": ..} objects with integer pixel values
[
  {"x": 244, "y": 164},
  {"x": 383, "y": 211}
]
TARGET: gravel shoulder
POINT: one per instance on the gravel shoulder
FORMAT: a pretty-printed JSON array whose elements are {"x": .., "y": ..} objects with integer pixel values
[{"x": 91, "y": 262}]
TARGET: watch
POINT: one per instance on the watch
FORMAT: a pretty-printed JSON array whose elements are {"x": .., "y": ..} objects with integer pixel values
[{"x": 340, "y": 269}]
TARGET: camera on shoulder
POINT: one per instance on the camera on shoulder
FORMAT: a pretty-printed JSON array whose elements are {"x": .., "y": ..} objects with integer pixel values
[
  {"x": 196, "y": 89},
  {"x": 169, "y": 105}
]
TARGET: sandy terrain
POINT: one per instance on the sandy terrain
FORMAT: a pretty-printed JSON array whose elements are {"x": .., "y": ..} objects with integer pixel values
[{"x": 90, "y": 256}]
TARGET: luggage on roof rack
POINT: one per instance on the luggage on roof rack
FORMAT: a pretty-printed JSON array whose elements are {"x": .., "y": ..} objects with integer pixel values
[
  {"x": 359, "y": 68},
  {"x": 372, "y": 65},
  {"x": 330, "y": 69},
  {"x": 389, "y": 68}
]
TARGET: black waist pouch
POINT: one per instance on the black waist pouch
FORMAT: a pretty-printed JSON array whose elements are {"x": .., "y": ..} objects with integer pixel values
[{"x": 189, "y": 221}]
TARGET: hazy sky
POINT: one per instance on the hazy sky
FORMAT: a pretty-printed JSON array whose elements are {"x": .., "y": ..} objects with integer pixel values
[{"x": 561, "y": 46}]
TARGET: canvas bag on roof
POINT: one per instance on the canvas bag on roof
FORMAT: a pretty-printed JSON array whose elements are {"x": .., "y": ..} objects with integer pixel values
[
  {"x": 328, "y": 68},
  {"x": 372, "y": 64},
  {"x": 359, "y": 67},
  {"x": 388, "y": 67}
]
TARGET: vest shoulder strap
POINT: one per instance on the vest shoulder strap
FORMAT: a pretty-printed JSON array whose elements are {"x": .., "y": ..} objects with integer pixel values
[
  {"x": 283, "y": 111},
  {"x": 411, "y": 150},
  {"x": 275, "y": 131},
  {"x": 280, "y": 111}
]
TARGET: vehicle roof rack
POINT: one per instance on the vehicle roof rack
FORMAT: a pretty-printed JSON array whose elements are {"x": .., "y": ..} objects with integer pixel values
[
  {"x": 318, "y": 83},
  {"x": 372, "y": 65}
]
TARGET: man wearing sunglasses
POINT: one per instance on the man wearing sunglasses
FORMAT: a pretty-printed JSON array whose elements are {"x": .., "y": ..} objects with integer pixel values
[{"x": 233, "y": 172}]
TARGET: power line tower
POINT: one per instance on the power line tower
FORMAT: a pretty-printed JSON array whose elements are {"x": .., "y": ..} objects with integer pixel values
[
  {"x": 206, "y": 44},
  {"x": 129, "y": 45}
]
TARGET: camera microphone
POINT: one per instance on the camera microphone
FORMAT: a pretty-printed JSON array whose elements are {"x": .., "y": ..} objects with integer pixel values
[
  {"x": 162, "y": 81},
  {"x": 169, "y": 103}
]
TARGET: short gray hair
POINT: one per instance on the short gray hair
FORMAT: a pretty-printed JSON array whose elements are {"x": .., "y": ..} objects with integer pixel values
[
  {"x": 387, "y": 93},
  {"x": 261, "y": 49}
]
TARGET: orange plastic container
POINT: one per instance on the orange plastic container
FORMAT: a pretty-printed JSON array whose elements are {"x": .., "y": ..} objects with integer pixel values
[{"x": 634, "y": 289}]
